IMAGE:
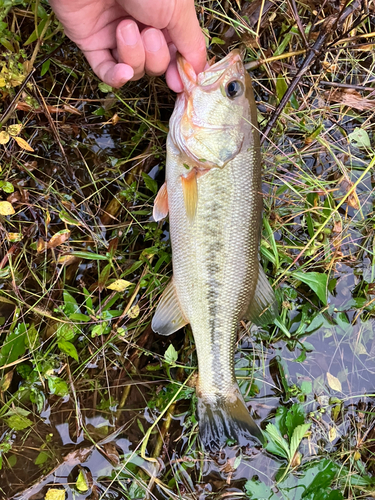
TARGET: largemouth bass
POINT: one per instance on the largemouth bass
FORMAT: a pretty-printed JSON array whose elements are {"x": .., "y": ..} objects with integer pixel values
[{"x": 213, "y": 195}]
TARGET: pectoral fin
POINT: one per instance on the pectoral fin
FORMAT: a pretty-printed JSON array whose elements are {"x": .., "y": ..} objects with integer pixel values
[
  {"x": 168, "y": 317},
  {"x": 190, "y": 190},
  {"x": 161, "y": 204},
  {"x": 263, "y": 308}
]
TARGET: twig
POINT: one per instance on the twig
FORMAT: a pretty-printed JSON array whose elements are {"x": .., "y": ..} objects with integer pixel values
[{"x": 331, "y": 23}]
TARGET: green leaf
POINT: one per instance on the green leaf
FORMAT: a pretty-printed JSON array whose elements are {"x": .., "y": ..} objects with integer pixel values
[
  {"x": 360, "y": 138},
  {"x": 217, "y": 40},
  {"x": 277, "y": 444},
  {"x": 45, "y": 67},
  {"x": 297, "y": 436},
  {"x": 18, "y": 422},
  {"x": 68, "y": 348},
  {"x": 316, "y": 281},
  {"x": 322, "y": 475},
  {"x": 7, "y": 187},
  {"x": 58, "y": 386},
  {"x": 66, "y": 332},
  {"x": 81, "y": 483},
  {"x": 14, "y": 345},
  {"x": 259, "y": 491},
  {"x": 294, "y": 418},
  {"x": 66, "y": 217},
  {"x": 89, "y": 255},
  {"x": 171, "y": 355},
  {"x": 41, "y": 458},
  {"x": 36, "y": 33},
  {"x": 103, "y": 87},
  {"x": 79, "y": 317},
  {"x": 150, "y": 183},
  {"x": 70, "y": 303},
  {"x": 306, "y": 387}
]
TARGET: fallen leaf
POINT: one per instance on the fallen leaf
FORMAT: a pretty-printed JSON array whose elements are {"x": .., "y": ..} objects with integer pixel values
[
  {"x": 334, "y": 382},
  {"x": 14, "y": 237},
  {"x": 351, "y": 98},
  {"x": 41, "y": 246},
  {"x": 15, "y": 129},
  {"x": 4, "y": 137},
  {"x": 6, "y": 208},
  {"x": 23, "y": 144},
  {"x": 119, "y": 285},
  {"x": 134, "y": 311},
  {"x": 59, "y": 238},
  {"x": 55, "y": 494},
  {"x": 332, "y": 434}
]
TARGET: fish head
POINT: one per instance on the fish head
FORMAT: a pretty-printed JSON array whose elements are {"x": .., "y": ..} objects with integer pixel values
[{"x": 213, "y": 115}]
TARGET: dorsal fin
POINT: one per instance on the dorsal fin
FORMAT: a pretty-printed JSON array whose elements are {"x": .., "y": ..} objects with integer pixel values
[
  {"x": 161, "y": 204},
  {"x": 263, "y": 308},
  {"x": 168, "y": 317}
]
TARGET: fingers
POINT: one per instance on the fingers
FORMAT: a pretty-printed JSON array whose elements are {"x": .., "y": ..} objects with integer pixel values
[
  {"x": 106, "y": 68},
  {"x": 172, "y": 76},
  {"x": 156, "y": 51},
  {"x": 187, "y": 36},
  {"x": 130, "y": 48}
]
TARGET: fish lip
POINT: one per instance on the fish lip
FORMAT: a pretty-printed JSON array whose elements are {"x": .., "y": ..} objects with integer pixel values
[{"x": 190, "y": 79}]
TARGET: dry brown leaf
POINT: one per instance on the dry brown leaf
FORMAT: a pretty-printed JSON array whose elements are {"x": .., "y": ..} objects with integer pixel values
[
  {"x": 66, "y": 260},
  {"x": 23, "y": 144},
  {"x": 334, "y": 382},
  {"x": 6, "y": 208},
  {"x": 41, "y": 246},
  {"x": 59, "y": 238},
  {"x": 351, "y": 98}
]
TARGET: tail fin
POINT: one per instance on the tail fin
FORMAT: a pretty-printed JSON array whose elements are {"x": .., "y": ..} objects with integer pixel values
[{"x": 224, "y": 419}]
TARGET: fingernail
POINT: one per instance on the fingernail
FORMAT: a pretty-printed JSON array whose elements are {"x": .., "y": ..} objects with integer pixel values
[
  {"x": 153, "y": 40},
  {"x": 130, "y": 34}
]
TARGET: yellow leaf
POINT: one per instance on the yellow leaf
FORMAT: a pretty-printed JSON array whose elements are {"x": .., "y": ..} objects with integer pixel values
[
  {"x": 119, "y": 285},
  {"x": 332, "y": 434},
  {"x": 360, "y": 349},
  {"x": 357, "y": 455},
  {"x": 66, "y": 260},
  {"x": 334, "y": 382},
  {"x": 6, "y": 208},
  {"x": 134, "y": 311},
  {"x": 4, "y": 137},
  {"x": 13, "y": 237},
  {"x": 23, "y": 144},
  {"x": 15, "y": 129},
  {"x": 55, "y": 494},
  {"x": 2, "y": 82}
]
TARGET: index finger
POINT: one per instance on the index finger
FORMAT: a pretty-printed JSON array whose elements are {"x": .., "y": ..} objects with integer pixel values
[{"x": 185, "y": 33}]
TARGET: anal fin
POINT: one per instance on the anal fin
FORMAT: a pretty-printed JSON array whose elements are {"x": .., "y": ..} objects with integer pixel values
[
  {"x": 263, "y": 309},
  {"x": 168, "y": 317},
  {"x": 161, "y": 204}
]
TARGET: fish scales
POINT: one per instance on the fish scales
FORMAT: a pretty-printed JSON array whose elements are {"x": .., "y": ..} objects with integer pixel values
[{"x": 214, "y": 205}]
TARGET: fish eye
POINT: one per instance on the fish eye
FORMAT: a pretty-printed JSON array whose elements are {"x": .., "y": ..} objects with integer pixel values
[{"x": 234, "y": 89}]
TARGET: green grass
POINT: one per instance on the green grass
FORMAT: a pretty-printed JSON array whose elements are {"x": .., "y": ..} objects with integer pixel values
[{"x": 86, "y": 388}]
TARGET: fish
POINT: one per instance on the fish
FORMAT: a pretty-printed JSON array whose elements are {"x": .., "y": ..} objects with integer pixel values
[{"x": 212, "y": 193}]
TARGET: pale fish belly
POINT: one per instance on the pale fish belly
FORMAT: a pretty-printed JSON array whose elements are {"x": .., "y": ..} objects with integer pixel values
[{"x": 215, "y": 263}]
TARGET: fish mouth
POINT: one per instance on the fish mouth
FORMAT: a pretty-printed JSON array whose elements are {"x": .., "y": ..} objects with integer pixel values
[{"x": 211, "y": 76}]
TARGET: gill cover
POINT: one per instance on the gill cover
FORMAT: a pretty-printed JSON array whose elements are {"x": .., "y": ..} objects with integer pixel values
[{"x": 208, "y": 122}]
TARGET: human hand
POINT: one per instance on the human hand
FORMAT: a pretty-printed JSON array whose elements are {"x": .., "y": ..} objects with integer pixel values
[{"x": 123, "y": 39}]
